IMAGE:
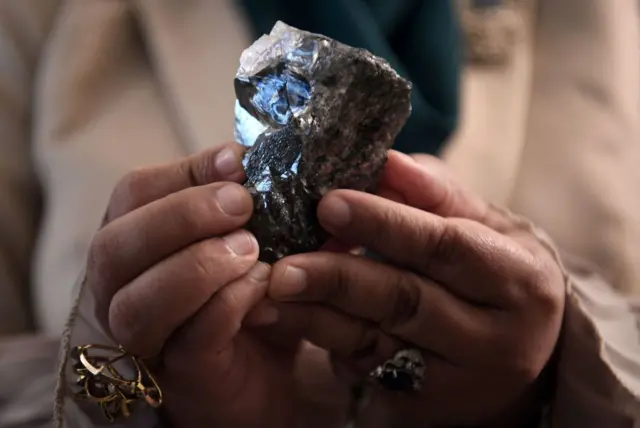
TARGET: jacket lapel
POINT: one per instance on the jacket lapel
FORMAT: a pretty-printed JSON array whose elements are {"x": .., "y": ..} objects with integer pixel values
[{"x": 194, "y": 47}]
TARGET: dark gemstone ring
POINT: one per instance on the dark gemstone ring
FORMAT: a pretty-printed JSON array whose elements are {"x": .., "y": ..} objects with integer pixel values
[{"x": 402, "y": 373}]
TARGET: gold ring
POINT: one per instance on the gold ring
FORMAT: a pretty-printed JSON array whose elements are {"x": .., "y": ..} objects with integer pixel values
[{"x": 104, "y": 384}]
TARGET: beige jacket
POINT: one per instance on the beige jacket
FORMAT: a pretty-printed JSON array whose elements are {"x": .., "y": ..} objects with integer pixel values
[{"x": 90, "y": 89}]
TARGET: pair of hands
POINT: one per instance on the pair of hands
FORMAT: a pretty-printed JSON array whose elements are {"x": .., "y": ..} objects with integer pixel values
[{"x": 174, "y": 274}]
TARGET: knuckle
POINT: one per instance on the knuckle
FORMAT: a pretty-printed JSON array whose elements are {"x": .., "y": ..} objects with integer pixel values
[
  {"x": 128, "y": 193},
  {"x": 339, "y": 288},
  {"x": 544, "y": 284},
  {"x": 203, "y": 258},
  {"x": 200, "y": 213},
  {"x": 194, "y": 213},
  {"x": 212, "y": 260},
  {"x": 228, "y": 307},
  {"x": 200, "y": 169},
  {"x": 365, "y": 343},
  {"x": 523, "y": 369},
  {"x": 98, "y": 258},
  {"x": 379, "y": 236},
  {"x": 439, "y": 244},
  {"x": 126, "y": 323},
  {"x": 191, "y": 171},
  {"x": 405, "y": 302},
  {"x": 391, "y": 222}
]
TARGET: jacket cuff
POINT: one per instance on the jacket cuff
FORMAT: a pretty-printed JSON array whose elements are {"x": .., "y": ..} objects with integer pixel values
[
  {"x": 598, "y": 373},
  {"x": 69, "y": 411},
  {"x": 597, "y": 377}
]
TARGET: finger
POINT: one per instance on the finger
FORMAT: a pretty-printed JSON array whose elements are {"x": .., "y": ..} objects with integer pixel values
[
  {"x": 401, "y": 303},
  {"x": 400, "y": 233},
  {"x": 131, "y": 244},
  {"x": 454, "y": 252},
  {"x": 146, "y": 185},
  {"x": 146, "y": 311},
  {"x": 208, "y": 339},
  {"x": 343, "y": 335},
  {"x": 209, "y": 359},
  {"x": 264, "y": 313},
  {"x": 392, "y": 195},
  {"x": 426, "y": 183},
  {"x": 318, "y": 384},
  {"x": 221, "y": 318}
]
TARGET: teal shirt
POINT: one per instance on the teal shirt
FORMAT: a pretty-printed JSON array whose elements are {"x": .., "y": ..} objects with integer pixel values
[{"x": 420, "y": 38}]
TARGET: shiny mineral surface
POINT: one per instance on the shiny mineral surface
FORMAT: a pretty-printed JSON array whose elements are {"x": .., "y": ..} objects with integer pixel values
[{"x": 315, "y": 115}]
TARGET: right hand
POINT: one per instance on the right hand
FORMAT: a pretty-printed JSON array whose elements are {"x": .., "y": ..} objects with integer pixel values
[{"x": 174, "y": 276}]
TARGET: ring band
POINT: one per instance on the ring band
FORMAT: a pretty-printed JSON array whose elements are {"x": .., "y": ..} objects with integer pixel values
[
  {"x": 403, "y": 372},
  {"x": 103, "y": 384}
]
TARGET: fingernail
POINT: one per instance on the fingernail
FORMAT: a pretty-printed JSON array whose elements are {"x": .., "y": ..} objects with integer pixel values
[
  {"x": 260, "y": 272},
  {"x": 240, "y": 243},
  {"x": 406, "y": 157},
  {"x": 227, "y": 163},
  {"x": 232, "y": 199},
  {"x": 336, "y": 212},
  {"x": 292, "y": 282}
]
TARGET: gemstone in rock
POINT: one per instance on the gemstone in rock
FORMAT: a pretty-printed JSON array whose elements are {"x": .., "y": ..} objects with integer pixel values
[
  {"x": 397, "y": 380},
  {"x": 315, "y": 115}
]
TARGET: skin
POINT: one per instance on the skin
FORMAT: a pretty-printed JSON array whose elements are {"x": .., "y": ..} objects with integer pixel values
[
  {"x": 480, "y": 295},
  {"x": 244, "y": 345}
]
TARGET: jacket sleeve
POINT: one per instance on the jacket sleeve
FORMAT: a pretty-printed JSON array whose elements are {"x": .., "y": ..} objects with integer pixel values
[
  {"x": 597, "y": 377},
  {"x": 598, "y": 373}
]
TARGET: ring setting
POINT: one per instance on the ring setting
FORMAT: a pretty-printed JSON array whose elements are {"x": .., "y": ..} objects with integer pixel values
[
  {"x": 101, "y": 380},
  {"x": 404, "y": 372}
]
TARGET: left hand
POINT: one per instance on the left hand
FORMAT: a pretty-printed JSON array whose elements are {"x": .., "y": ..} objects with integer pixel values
[{"x": 481, "y": 296}]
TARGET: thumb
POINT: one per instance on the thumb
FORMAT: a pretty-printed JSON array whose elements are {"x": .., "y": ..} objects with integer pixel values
[{"x": 425, "y": 182}]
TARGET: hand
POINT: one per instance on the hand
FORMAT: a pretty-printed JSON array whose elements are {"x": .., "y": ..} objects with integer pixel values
[
  {"x": 465, "y": 283},
  {"x": 173, "y": 275}
]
